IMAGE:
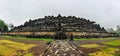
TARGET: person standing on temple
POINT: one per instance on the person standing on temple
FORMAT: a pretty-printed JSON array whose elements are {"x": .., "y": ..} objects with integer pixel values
[{"x": 71, "y": 38}]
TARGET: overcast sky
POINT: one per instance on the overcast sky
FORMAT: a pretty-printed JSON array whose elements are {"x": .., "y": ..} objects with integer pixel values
[{"x": 104, "y": 12}]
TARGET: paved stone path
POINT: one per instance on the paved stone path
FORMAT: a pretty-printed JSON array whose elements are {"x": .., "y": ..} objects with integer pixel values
[{"x": 62, "y": 48}]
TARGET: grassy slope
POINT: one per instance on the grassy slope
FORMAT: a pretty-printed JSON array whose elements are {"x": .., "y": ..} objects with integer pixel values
[
  {"x": 113, "y": 43},
  {"x": 24, "y": 38},
  {"x": 105, "y": 50},
  {"x": 11, "y": 48},
  {"x": 94, "y": 38}
]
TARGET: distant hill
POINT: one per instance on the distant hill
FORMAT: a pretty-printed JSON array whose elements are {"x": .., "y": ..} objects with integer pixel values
[{"x": 60, "y": 23}]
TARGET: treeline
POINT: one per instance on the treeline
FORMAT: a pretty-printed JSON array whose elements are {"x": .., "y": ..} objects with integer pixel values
[{"x": 115, "y": 31}]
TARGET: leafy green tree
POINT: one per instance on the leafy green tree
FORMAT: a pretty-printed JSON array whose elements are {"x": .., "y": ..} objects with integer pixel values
[
  {"x": 11, "y": 26},
  {"x": 110, "y": 30},
  {"x": 118, "y": 30},
  {"x": 3, "y": 26}
]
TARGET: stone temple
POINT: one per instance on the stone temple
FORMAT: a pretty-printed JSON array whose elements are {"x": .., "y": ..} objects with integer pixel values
[
  {"x": 60, "y": 23},
  {"x": 60, "y": 27}
]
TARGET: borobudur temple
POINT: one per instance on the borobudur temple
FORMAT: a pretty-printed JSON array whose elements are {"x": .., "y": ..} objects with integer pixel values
[
  {"x": 60, "y": 23},
  {"x": 60, "y": 27}
]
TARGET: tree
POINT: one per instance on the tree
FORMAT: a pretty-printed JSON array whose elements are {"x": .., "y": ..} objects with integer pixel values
[
  {"x": 3, "y": 26},
  {"x": 11, "y": 26},
  {"x": 118, "y": 30},
  {"x": 110, "y": 30}
]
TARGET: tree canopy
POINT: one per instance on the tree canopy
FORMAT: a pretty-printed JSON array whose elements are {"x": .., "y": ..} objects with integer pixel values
[
  {"x": 3, "y": 26},
  {"x": 110, "y": 30},
  {"x": 10, "y": 26}
]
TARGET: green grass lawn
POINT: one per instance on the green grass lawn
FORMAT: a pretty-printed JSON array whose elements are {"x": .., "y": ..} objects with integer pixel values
[
  {"x": 94, "y": 38},
  {"x": 24, "y": 38},
  {"x": 105, "y": 50},
  {"x": 113, "y": 43}
]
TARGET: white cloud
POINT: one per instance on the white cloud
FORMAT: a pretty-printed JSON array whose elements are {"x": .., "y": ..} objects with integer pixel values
[{"x": 104, "y": 12}]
